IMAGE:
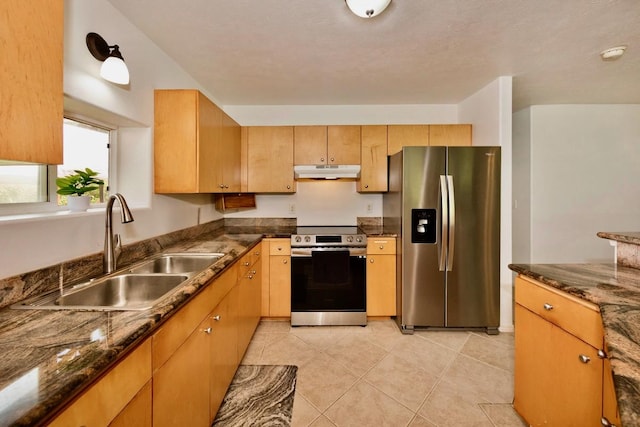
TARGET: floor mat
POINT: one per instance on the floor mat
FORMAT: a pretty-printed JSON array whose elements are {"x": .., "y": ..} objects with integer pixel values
[{"x": 259, "y": 395}]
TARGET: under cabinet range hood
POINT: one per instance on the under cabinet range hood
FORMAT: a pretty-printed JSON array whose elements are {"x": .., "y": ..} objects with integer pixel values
[{"x": 326, "y": 171}]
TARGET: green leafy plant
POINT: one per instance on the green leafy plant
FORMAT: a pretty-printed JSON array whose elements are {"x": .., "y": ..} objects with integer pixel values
[{"x": 82, "y": 181}]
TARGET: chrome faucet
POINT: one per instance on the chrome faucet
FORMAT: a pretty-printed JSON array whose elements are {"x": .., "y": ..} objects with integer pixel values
[{"x": 112, "y": 249}]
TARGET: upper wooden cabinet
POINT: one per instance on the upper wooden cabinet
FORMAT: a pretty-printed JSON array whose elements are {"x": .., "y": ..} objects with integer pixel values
[
  {"x": 373, "y": 160},
  {"x": 450, "y": 135},
  {"x": 196, "y": 145},
  {"x": 269, "y": 159},
  {"x": 326, "y": 145},
  {"x": 31, "y": 40},
  {"x": 424, "y": 135},
  {"x": 405, "y": 136}
]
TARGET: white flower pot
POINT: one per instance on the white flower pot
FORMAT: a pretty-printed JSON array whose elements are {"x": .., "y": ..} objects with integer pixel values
[{"x": 78, "y": 203}]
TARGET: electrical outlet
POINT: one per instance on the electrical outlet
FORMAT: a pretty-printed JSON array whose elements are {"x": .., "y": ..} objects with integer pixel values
[
  {"x": 292, "y": 207},
  {"x": 369, "y": 207}
]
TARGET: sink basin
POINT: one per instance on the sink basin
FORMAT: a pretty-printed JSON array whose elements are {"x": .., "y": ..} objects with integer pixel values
[
  {"x": 120, "y": 292},
  {"x": 177, "y": 263}
]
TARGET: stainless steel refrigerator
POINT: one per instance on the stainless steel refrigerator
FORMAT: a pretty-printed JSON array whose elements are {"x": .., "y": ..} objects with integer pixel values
[{"x": 444, "y": 205}]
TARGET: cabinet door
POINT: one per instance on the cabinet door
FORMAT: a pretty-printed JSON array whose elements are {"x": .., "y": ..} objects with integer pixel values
[
  {"x": 209, "y": 156},
  {"x": 609, "y": 401},
  {"x": 450, "y": 135},
  {"x": 270, "y": 159},
  {"x": 554, "y": 384},
  {"x": 250, "y": 305},
  {"x": 381, "y": 285},
  {"x": 31, "y": 36},
  {"x": 137, "y": 412},
  {"x": 223, "y": 350},
  {"x": 343, "y": 145},
  {"x": 407, "y": 136},
  {"x": 310, "y": 145},
  {"x": 280, "y": 286},
  {"x": 181, "y": 385},
  {"x": 230, "y": 154},
  {"x": 373, "y": 159}
]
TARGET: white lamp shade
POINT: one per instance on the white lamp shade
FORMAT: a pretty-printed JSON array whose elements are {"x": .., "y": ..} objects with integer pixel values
[
  {"x": 367, "y": 8},
  {"x": 115, "y": 70}
]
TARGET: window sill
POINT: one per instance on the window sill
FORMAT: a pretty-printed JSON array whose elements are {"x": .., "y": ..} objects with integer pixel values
[{"x": 55, "y": 215}]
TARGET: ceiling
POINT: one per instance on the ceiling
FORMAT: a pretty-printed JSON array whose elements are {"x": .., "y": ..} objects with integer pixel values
[{"x": 316, "y": 52}]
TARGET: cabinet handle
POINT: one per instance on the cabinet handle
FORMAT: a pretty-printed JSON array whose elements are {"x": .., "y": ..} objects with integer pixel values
[
  {"x": 221, "y": 185},
  {"x": 322, "y": 159},
  {"x": 279, "y": 248},
  {"x": 332, "y": 159},
  {"x": 548, "y": 307},
  {"x": 602, "y": 354},
  {"x": 253, "y": 272},
  {"x": 256, "y": 253},
  {"x": 226, "y": 186},
  {"x": 288, "y": 187},
  {"x": 381, "y": 247},
  {"x": 371, "y": 260},
  {"x": 207, "y": 330},
  {"x": 250, "y": 277},
  {"x": 605, "y": 422},
  {"x": 216, "y": 318},
  {"x": 284, "y": 261},
  {"x": 246, "y": 263},
  {"x": 584, "y": 359},
  {"x": 366, "y": 186}
]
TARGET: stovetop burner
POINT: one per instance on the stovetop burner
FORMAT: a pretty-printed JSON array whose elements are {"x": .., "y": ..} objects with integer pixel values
[{"x": 323, "y": 236}]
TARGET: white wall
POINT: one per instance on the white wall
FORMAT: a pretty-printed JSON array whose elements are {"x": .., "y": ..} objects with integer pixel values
[
  {"x": 489, "y": 111},
  {"x": 522, "y": 186},
  {"x": 33, "y": 243},
  {"x": 584, "y": 174}
]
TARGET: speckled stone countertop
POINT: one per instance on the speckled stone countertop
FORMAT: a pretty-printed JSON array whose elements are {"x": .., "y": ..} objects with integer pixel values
[
  {"x": 616, "y": 290},
  {"x": 50, "y": 356},
  {"x": 624, "y": 237}
]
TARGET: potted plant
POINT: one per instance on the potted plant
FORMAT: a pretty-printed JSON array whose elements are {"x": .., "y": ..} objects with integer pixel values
[{"x": 76, "y": 186}]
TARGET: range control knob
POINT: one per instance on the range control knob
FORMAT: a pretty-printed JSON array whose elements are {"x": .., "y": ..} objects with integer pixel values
[
  {"x": 298, "y": 239},
  {"x": 359, "y": 239},
  {"x": 307, "y": 239},
  {"x": 349, "y": 239}
]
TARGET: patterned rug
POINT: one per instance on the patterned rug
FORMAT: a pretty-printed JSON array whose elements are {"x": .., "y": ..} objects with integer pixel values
[{"x": 259, "y": 395}]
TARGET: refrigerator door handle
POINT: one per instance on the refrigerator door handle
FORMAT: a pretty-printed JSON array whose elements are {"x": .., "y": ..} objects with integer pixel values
[
  {"x": 452, "y": 222},
  {"x": 444, "y": 223}
]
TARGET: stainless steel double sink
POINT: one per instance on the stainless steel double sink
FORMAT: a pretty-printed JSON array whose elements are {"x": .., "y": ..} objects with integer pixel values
[{"x": 138, "y": 287}]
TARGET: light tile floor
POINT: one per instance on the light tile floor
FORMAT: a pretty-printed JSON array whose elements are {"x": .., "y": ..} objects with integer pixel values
[{"x": 376, "y": 376}]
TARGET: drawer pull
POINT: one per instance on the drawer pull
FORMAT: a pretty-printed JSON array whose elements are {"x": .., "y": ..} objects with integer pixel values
[
  {"x": 605, "y": 422},
  {"x": 381, "y": 247},
  {"x": 548, "y": 307},
  {"x": 602, "y": 354},
  {"x": 246, "y": 263},
  {"x": 584, "y": 359},
  {"x": 371, "y": 260},
  {"x": 216, "y": 318},
  {"x": 207, "y": 330},
  {"x": 284, "y": 261}
]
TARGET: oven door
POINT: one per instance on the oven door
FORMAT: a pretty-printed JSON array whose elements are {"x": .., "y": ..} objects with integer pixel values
[{"x": 328, "y": 280}]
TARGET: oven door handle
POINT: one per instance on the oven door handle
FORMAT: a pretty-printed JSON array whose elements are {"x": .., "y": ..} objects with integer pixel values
[{"x": 306, "y": 252}]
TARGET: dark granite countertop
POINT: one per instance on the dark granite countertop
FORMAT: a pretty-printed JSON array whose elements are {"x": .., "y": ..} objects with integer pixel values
[
  {"x": 616, "y": 290},
  {"x": 48, "y": 357},
  {"x": 621, "y": 236}
]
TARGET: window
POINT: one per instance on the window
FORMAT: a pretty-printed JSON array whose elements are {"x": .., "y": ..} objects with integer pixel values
[
  {"x": 85, "y": 146},
  {"x": 31, "y": 187}
]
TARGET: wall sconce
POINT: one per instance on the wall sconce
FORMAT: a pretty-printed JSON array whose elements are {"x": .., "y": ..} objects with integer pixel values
[
  {"x": 113, "y": 67},
  {"x": 367, "y": 8}
]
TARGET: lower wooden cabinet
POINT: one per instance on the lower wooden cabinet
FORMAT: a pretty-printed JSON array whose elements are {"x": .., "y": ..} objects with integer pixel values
[
  {"x": 560, "y": 375},
  {"x": 181, "y": 385},
  {"x": 381, "y": 276},
  {"x": 121, "y": 394},
  {"x": 276, "y": 282},
  {"x": 250, "y": 300},
  {"x": 138, "y": 411}
]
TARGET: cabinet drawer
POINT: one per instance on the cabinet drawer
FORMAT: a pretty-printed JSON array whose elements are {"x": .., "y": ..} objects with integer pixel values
[
  {"x": 381, "y": 246},
  {"x": 578, "y": 317},
  {"x": 280, "y": 247}
]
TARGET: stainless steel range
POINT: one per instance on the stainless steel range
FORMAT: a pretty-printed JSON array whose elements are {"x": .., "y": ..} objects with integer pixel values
[{"x": 328, "y": 276}]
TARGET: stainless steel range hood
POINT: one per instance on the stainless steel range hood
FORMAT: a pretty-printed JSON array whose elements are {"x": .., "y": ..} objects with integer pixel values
[{"x": 326, "y": 171}]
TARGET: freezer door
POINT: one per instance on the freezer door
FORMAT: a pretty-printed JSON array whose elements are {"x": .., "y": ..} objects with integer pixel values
[
  {"x": 473, "y": 282},
  {"x": 423, "y": 291}
]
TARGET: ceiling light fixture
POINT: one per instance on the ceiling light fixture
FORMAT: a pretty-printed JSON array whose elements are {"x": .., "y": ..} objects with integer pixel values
[
  {"x": 613, "y": 53},
  {"x": 367, "y": 8},
  {"x": 113, "y": 67}
]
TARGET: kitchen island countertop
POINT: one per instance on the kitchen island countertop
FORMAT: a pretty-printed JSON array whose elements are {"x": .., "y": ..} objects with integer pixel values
[{"x": 616, "y": 290}]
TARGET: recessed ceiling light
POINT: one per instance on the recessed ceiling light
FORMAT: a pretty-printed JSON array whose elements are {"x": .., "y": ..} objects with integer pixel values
[{"x": 613, "y": 53}]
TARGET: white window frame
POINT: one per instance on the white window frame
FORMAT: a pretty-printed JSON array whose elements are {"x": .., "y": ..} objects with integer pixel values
[{"x": 13, "y": 210}]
